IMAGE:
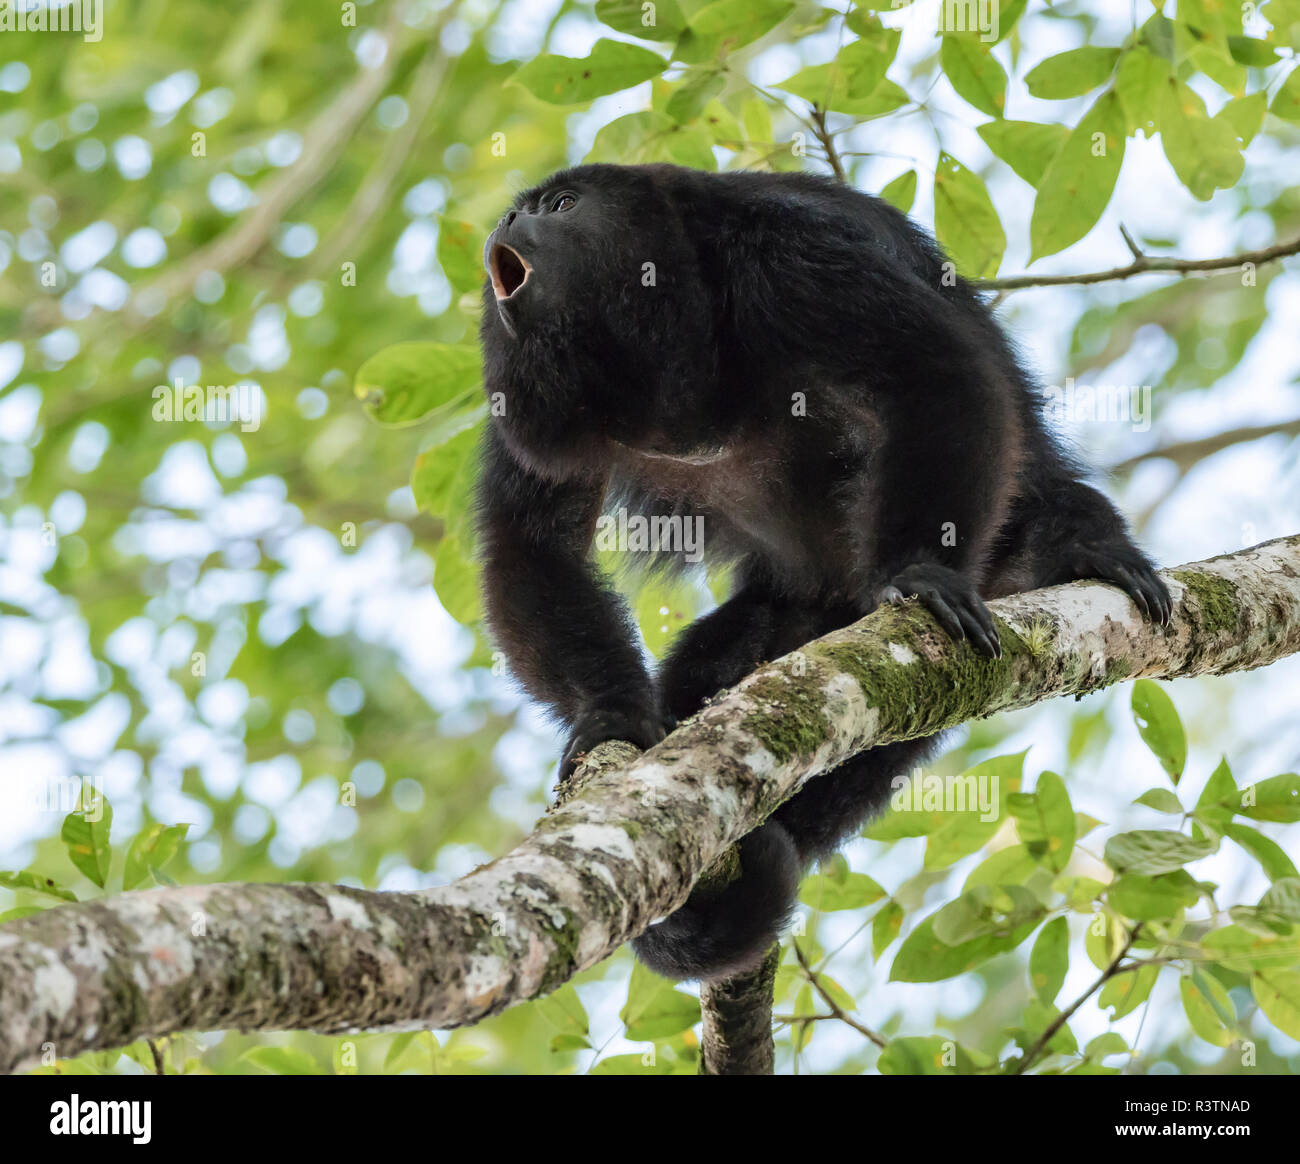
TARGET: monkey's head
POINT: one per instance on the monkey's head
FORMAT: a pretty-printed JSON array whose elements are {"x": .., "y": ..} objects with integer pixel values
[{"x": 594, "y": 309}]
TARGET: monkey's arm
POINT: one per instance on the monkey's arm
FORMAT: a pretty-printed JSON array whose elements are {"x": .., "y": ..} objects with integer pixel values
[
  {"x": 567, "y": 635},
  {"x": 944, "y": 471}
]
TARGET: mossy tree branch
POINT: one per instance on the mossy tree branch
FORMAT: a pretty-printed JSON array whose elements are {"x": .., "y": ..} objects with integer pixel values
[{"x": 626, "y": 846}]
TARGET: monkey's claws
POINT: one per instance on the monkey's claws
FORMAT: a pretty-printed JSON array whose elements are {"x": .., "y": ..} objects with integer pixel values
[
  {"x": 953, "y": 600},
  {"x": 643, "y": 727},
  {"x": 1123, "y": 565}
]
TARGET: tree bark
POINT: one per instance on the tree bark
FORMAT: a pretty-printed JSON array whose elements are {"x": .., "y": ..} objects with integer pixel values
[{"x": 625, "y": 848}]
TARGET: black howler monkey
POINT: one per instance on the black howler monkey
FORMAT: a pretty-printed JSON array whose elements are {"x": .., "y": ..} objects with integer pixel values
[{"x": 782, "y": 356}]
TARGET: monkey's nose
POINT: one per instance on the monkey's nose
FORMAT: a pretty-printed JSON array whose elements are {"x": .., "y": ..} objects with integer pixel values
[{"x": 510, "y": 218}]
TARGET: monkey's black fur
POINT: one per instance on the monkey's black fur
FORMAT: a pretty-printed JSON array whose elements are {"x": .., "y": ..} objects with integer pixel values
[{"x": 781, "y": 355}]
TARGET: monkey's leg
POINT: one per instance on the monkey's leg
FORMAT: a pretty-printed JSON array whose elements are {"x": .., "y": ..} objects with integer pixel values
[
  {"x": 834, "y": 806},
  {"x": 1067, "y": 531},
  {"x": 718, "y": 933}
]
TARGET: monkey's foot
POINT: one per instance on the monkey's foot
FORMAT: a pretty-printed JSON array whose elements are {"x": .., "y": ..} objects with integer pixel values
[
  {"x": 1123, "y": 564},
  {"x": 642, "y": 726},
  {"x": 953, "y": 600}
]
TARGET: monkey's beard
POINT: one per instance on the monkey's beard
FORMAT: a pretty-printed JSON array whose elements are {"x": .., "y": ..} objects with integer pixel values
[{"x": 509, "y": 270}]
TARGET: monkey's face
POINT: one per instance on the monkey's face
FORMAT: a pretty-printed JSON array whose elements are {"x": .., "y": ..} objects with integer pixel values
[
  {"x": 577, "y": 247},
  {"x": 594, "y": 312},
  {"x": 532, "y": 255}
]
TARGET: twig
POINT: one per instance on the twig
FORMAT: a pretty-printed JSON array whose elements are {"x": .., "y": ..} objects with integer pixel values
[
  {"x": 1143, "y": 264},
  {"x": 1187, "y": 453},
  {"x": 837, "y": 1010},
  {"x": 1061, "y": 1019},
  {"x": 827, "y": 140}
]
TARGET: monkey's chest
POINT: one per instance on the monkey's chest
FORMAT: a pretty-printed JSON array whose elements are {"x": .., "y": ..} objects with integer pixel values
[{"x": 750, "y": 499}]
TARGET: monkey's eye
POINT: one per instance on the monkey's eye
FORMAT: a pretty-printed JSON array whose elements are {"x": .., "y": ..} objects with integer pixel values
[{"x": 565, "y": 202}]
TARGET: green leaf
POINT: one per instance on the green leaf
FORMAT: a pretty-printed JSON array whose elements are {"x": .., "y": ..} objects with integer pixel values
[
  {"x": 85, "y": 836},
  {"x": 1025, "y": 146},
  {"x": 1140, "y": 83},
  {"x": 1278, "y": 995},
  {"x": 651, "y": 136},
  {"x": 564, "y": 1011},
  {"x": 1270, "y": 855},
  {"x": 1247, "y": 50},
  {"x": 854, "y": 81},
  {"x": 1014, "y": 865},
  {"x": 460, "y": 254},
  {"x": 283, "y": 1061},
  {"x": 410, "y": 381},
  {"x": 965, "y": 221},
  {"x": 1159, "y": 726},
  {"x": 1276, "y": 799},
  {"x": 1153, "y": 898},
  {"x": 1208, "y": 1007},
  {"x": 151, "y": 850},
  {"x": 1218, "y": 800},
  {"x": 662, "y": 20},
  {"x": 1154, "y": 851},
  {"x": 923, "y": 957},
  {"x": 730, "y": 24},
  {"x": 654, "y": 1010},
  {"x": 1050, "y": 959},
  {"x": 455, "y": 581},
  {"x": 925, "y": 1055},
  {"x": 633, "y": 1065},
  {"x": 1162, "y": 800},
  {"x": 1077, "y": 184},
  {"x": 1283, "y": 899},
  {"x": 1125, "y": 992},
  {"x": 901, "y": 191},
  {"x": 1072, "y": 73},
  {"x": 21, "y": 879},
  {"x": 828, "y": 894},
  {"x": 610, "y": 67},
  {"x": 885, "y": 927},
  {"x": 1045, "y": 821},
  {"x": 975, "y": 73},
  {"x": 1245, "y": 115},
  {"x": 1203, "y": 151},
  {"x": 443, "y": 483},
  {"x": 985, "y": 910},
  {"x": 690, "y": 98},
  {"x": 1286, "y": 102},
  {"x": 1236, "y": 948}
]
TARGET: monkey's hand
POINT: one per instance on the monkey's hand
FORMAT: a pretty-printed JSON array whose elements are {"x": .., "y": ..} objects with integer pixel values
[
  {"x": 643, "y": 726},
  {"x": 1122, "y": 564},
  {"x": 953, "y": 600}
]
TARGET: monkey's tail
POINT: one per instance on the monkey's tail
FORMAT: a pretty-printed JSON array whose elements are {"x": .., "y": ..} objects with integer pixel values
[{"x": 720, "y": 934}]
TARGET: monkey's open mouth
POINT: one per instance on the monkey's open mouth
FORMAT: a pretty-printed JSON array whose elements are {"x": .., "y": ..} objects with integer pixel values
[{"x": 509, "y": 270}]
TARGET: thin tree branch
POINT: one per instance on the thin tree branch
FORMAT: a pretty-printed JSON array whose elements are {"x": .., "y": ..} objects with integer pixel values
[
  {"x": 838, "y": 1011},
  {"x": 827, "y": 140},
  {"x": 1186, "y": 454},
  {"x": 322, "y": 142},
  {"x": 1031, "y": 1056},
  {"x": 625, "y": 849},
  {"x": 1143, "y": 264}
]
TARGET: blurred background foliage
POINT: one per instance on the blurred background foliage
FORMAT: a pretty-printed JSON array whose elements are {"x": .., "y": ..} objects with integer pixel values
[{"x": 232, "y": 626}]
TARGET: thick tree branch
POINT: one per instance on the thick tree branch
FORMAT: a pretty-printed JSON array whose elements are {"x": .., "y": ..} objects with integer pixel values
[
  {"x": 1143, "y": 264},
  {"x": 625, "y": 849}
]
